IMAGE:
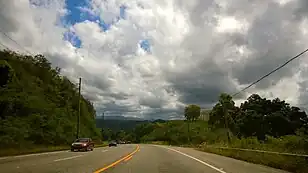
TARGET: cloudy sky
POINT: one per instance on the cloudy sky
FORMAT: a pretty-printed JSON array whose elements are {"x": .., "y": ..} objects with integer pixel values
[{"x": 148, "y": 58}]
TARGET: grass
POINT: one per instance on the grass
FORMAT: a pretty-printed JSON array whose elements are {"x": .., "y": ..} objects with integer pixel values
[
  {"x": 39, "y": 149},
  {"x": 289, "y": 163},
  {"x": 158, "y": 143}
]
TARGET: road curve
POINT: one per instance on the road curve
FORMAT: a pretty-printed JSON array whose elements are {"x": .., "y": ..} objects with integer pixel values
[{"x": 130, "y": 159}]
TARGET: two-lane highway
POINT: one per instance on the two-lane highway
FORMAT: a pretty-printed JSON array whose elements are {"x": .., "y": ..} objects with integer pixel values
[{"x": 130, "y": 159}]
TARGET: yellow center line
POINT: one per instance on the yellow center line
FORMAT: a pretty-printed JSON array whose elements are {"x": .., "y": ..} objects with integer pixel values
[
  {"x": 118, "y": 161},
  {"x": 127, "y": 159}
]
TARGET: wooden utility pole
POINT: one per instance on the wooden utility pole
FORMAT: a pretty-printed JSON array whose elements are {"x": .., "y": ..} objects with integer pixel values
[
  {"x": 103, "y": 120},
  {"x": 78, "y": 117},
  {"x": 226, "y": 114}
]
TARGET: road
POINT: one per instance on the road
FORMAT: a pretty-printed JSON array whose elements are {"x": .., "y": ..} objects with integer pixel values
[{"x": 130, "y": 159}]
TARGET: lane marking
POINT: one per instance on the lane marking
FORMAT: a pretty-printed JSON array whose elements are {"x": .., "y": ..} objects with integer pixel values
[
  {"x": 198, "y": 160},
  {"x": 67, "y": 158},
  {"x": 127, "y": 159},
  {"x": 118, "y": 161},
  {"x": 35, "y": 154},
  {"x": 104, "y": 151}
]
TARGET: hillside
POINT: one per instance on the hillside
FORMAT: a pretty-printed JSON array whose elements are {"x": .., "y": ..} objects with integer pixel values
[
  {"x": 119, "y": 118},
  {"x": 38, "y": 105},
  {"x": 118, "y": 124}
]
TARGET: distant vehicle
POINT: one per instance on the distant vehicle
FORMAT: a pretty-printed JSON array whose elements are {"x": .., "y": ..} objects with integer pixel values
[
  {"x": 113, "y": 143},
  {"x": 84, "y": 144}
]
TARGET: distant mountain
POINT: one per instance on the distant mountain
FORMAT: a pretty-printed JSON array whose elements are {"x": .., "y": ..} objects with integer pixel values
[
  {"x": 159, "y": 121},
  {"x": 121, "y": 122},
  {"x": 120, "y": 118}
]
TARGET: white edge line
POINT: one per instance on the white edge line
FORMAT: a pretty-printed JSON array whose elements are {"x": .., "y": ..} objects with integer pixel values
[
  {"x": 104, "y": 150},
  {"x": 36, "y": 154},
  {"x": 67, "y": 158},
  {"x": 263, "y": 151},
  {"x": 200, "y": 161}
]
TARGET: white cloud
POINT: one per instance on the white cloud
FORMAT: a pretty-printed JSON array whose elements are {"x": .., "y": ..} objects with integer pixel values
[{"x": 198, "y": 49}]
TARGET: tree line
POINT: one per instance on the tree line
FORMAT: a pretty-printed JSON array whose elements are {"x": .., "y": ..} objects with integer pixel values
[
  {"x": 258, "y": 120},
  {"x": 259, "y": 117}
]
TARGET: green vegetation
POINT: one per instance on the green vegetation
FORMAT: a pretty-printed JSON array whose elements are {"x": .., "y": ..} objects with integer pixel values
[
  {"x": 259, "y": 123},
  {"x": 192, "y": 112},
  {"x": 38, "y": 106},
  {"x": 116, "y": 125}
]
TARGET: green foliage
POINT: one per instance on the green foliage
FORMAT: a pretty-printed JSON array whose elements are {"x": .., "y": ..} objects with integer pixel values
[
  {"x": 257, "y": 117},
  {"x": 172, "y": 132},
  {"x": 192, "y": 112},
  {"x": 117, "y": 125},
  {"x": 37, "y": 105}
]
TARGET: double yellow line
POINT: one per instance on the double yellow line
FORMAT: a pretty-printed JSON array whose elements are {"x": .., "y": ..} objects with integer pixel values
[{"x": 127, "y": 157}]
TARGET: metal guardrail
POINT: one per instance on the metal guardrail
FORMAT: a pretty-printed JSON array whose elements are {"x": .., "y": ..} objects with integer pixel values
[{"x": 261, "y": 151}]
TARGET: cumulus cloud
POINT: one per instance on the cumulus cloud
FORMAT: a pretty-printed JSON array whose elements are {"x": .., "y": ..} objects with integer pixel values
[{"x": 194, "y": 49}]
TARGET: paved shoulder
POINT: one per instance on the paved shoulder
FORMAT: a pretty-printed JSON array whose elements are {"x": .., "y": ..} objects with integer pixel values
[{"x": 227, "y": 164}]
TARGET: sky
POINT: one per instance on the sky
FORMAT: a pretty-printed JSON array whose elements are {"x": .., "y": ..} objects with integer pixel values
[{"x": 150, "y": 58}]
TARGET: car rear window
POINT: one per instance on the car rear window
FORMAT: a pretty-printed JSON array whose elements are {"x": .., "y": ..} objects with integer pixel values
[{"x": 82, "y": 140}]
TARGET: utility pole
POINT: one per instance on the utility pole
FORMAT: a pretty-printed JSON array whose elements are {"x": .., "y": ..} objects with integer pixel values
[
  {"x": 103, "y": 120},
  {"x": 103, "y": 130},
  {"x": 188, "y": 131},
  {"x": 78, "y": 117},
  {"x": 226, "y": 123}
]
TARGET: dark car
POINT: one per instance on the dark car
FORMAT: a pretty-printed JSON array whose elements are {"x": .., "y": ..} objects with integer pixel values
[
  {"x": 84, "y": 144},
  {"x": 113, "y": 143}
]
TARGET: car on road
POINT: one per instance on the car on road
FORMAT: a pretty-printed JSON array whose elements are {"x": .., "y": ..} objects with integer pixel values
[
  {"x": 113, "y": 143},
  {"x": 84, "y": 144},
  {"x": 122, "y": 142}
]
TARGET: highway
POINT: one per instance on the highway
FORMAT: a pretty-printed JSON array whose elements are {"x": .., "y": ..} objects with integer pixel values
[{"x": 130, "y": 158}]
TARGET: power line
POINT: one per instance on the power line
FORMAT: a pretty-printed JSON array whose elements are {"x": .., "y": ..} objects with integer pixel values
[
  {"x": 5, "y": 47},
  {"x": 6, "y": 35},
  {"x": 273, "y": 71}
]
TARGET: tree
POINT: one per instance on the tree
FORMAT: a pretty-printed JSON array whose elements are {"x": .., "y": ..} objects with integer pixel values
[
  {"x": 223, "y": 112},
  {"x": 192, "y": 112},
  {"x": 221, "y": 115}
]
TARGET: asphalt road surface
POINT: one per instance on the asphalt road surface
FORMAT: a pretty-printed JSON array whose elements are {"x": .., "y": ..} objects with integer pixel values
[{"x": 130, "y": 159}]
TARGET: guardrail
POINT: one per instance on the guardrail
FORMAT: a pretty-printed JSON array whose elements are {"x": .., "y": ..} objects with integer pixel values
[{"x": 261, "y": 151}]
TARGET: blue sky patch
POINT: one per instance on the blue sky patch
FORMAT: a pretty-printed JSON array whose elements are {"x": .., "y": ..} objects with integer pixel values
[
  {"x": 72, "y": 38},
  {"x": 79, "y": 11},
  {"x": 145, "y": 45},
  {"x": 123, "y": 11}
]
